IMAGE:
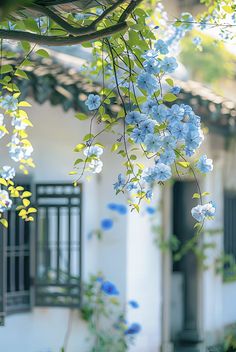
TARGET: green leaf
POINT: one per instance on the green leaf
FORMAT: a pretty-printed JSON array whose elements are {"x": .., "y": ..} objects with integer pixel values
[
  {"x": 26, "y": 194},
  {"x": 115, "y": 147},
  {"x": 184, "y": 164},
  {"x": 79, "y": 147},
  {"x": 228, "y": 9},
  {"x": 169, "y": 97},
  {"x": 3, "y": 182},
  {"x": 25, "y": 45},
  {"x": 81, "y": 116},
  {"x": 4, "y": 222},
  {"x": 205, "y": 194},
  {"x": 21, "y": 73},
  {"x": 26, "y": 202},
  {"x": 6, "y": 69},
  {"x": 170, "y": 82},
  {"x": 88, "y": 136},
  {"x": 196, "y": 196},
  {"x": 24, "y": 104},
  {"x": 78, "y": 161},
  {"x": 31, "y": 25},
  {"x": 133, "y": 157},
  {"x": 43, "y": 53}
]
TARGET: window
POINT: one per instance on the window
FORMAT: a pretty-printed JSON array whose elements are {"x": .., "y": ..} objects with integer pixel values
[
  {"x": 58, "y": 245},
  {"x": 230, "y": 223},
  {"x": 18, "y": 263},
  {"x": 41, "y": 262}
]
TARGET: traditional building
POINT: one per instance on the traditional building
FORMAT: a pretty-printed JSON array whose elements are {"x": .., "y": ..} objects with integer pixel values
[{"x": 182, "y": 305}]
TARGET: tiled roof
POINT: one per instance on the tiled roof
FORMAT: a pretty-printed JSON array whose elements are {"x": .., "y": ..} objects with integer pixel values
[{"x": 62, "y": 84}]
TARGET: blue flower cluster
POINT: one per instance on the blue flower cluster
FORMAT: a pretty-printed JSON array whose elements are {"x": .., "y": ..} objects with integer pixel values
[
  {"x": 201, "y": 212},
  {"x": 109, "y": 288},
  {"x": 166, "y": 133},
  {"x": 162, "y": 131}
]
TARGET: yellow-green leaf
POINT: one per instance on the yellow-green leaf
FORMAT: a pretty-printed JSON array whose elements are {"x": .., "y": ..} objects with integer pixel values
[
  {"x": 79, "y": 147},
  {"x": 184, "y": 164},
  {"x": 4, "y": 222},
  {"x": 32, "y": 210},
  {"x": 196, "y": 196},
  {"x": 42, "y": 52},
  {"x": 81, "y": 116},
  {"x": 3, "y": 182},
  {"x": 169, "y": 97},
  {"x": 26, "y": 202},
  {"x": 26, "y": 194}
]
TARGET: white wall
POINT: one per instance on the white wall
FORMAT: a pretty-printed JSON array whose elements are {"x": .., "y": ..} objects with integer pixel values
[
  {"x": 144, "y": 278},
  {"x": 53, "y": 137}
]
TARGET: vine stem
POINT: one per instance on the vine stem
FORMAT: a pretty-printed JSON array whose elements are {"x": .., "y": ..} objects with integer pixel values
[{"x": 123, "y": 104}]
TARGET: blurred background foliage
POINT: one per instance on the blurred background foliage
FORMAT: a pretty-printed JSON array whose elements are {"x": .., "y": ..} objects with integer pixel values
[{"x": 210, "y": 62}]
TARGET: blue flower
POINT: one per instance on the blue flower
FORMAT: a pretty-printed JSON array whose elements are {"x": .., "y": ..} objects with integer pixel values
[
  {"x": 133, "y": 329},
  {"x": 152, "y": 65},
  {"x": 152, "y": 53},
  {"x": 187, "y": 21},
  {"x": 134, "y": 117},
  {"x": 197, "y": 213},
  {"x": 9, "y": 103},
  {"x": 147, "y": 106},
  {"x": 205, "y": 165},
  {"x": 169, "y": 64},
  {"x": 175, "y": 90},
  {"x": 163, "y": 172},
  {"x": 106, "y": 224},
  {"x": 194, "y": 120},
  {"x": 201, "y": 211},
  {"x": 209, "y": 209},
  {"x": 150, "y": 210},
  {"x": 178, "y": 129},
  {"x": 161, "y": 46},
  {"x": 94, "y": 150},
  {"x": 120, "y": 208},
  {"x": 131, "y": 186},
  {"x": 120, "y": 183},
  {"x": 152, "y": 142},
  {"x": 109, "y": 288},
  {"x": 193, "y": 139},
  {"x": 8, "y": 172},
  {"x": 93, "y": 102},
  {"x": 148, "y": 82},
  {"x": 5, "y": 201},
  {"x": 147, "y": 126},
  {"x": 149, "y": 194},
  {"x": 168, "y": 142},
  {"x": 134, "y": 304},
  {"x": 176, "y": 113},
  {"x": 168, "y": 157},
  {"x": 138, "y": 135},
  {"x": 149, "y": 175},
  {"x": 159, "y": 113},
  {"x": 197, "y": 41}
]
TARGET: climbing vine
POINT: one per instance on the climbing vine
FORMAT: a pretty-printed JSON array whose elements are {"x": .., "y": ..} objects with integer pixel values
[{"x": 135, "y": 57}]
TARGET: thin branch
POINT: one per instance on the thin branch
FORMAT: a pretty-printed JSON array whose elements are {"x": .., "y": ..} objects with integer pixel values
[
  {"x": 132, "y": 5},
  {"x": 62, "y": 41},
  {"x": 71, "y": 29}
]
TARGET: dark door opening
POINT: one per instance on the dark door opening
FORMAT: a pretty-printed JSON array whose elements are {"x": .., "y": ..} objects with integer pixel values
[{"x": 185, "y": 283}]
